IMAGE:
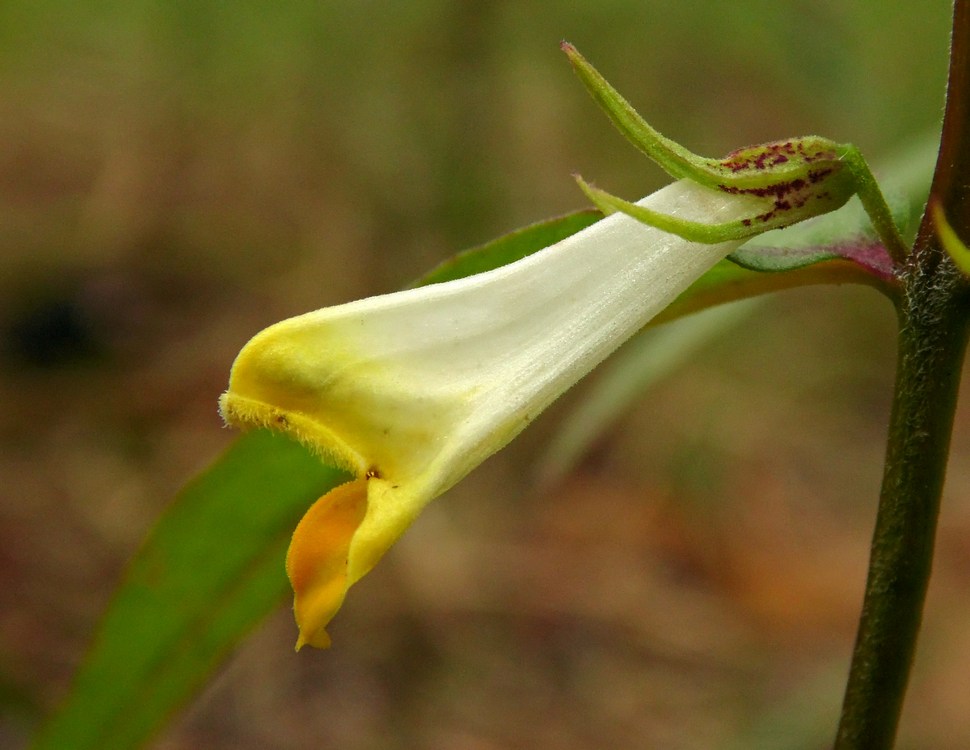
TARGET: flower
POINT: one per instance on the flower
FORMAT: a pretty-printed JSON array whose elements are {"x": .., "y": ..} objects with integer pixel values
[{"x": 411, "y": 390}]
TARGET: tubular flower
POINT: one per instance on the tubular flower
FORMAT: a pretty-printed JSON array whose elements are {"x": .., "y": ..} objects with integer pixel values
[{"x": 410, "y": 391}]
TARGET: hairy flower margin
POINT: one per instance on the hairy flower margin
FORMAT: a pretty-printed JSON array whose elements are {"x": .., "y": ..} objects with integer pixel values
[{"x": 410, "y": 391}]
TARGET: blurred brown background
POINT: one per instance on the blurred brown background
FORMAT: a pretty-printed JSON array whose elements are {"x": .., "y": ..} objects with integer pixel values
[{"x": 175, "y": 176}]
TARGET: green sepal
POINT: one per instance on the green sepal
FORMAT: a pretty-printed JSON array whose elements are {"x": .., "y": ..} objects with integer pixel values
[
  {"x": 758, "y": 223},
  {"x": 792, "y": 179},
  {"x": 676, "y": 160}
]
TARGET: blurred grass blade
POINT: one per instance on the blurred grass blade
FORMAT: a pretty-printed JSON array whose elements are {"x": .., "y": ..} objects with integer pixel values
[
  {"x": 210, "y": 570},
  {"x": 645, "y": 360},
  {"x": 800, "y": 720}
]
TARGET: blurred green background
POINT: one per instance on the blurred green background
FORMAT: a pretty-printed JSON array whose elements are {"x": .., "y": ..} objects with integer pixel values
[{"x": 175, "y": 176}]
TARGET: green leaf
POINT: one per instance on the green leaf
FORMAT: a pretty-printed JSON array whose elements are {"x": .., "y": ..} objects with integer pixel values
[
  {"x": 214, "y": 564},
  {"x": 210, "y": 569},
  {"x": 510, "y": 247},
  {"x": 727, "y": 282}
]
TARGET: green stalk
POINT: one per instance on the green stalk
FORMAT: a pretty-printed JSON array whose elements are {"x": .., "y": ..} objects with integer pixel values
[
  {"x": 932, "y": 340},
  {"x": 933, "y": 316}
]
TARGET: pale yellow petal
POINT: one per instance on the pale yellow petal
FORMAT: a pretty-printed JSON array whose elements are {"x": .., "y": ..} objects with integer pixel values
[{"x": 410, "y": 391}]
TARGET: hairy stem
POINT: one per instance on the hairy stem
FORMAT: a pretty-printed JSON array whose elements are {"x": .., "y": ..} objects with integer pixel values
[
  {"x": 933, "y": 313},
  {"x": 932, "y": 340}
]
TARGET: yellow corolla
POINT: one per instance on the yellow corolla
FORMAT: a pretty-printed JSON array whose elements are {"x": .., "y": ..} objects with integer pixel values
[{"x": 412, "y": 390}]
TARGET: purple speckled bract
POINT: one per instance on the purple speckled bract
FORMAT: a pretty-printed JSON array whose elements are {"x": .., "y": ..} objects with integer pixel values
[{"x": 787, "y": 195}]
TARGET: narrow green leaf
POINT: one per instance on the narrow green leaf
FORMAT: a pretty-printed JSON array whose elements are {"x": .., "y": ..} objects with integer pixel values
[
  {"x": 727, "y": 282},
  {"x": 509, "y": 248},
  {"x": 210, "y": 569},
  {"x": 214, "y": 564}
]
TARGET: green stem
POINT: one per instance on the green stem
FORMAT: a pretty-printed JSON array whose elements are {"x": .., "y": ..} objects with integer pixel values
[
  {"x": 932, "y": 340},
  {"x": 933, "y": 314}
]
